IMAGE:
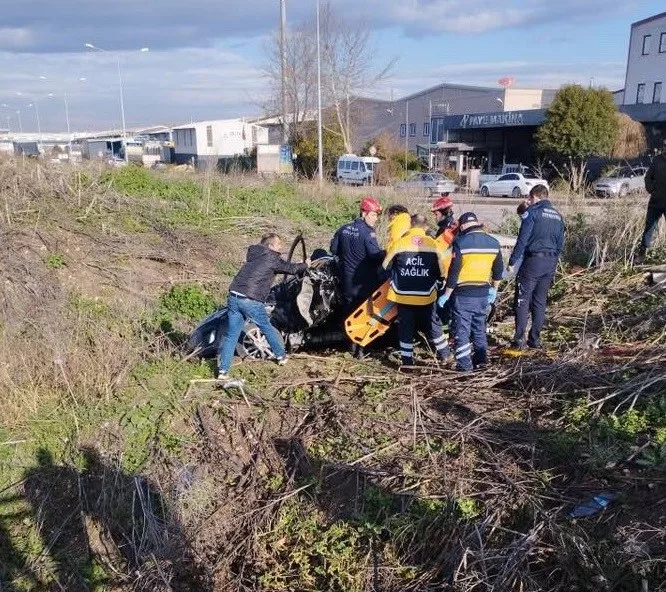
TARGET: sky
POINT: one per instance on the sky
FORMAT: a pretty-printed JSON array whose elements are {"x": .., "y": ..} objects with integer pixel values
[{"x": 205, "y": 56}]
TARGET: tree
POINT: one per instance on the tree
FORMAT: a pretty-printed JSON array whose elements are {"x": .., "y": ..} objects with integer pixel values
[
  {"x": 348, "y": 69},
  {"x": 631, "y": 139},
  {"x": 304, "y": 143},
  {"x": 580, "y": 123}
]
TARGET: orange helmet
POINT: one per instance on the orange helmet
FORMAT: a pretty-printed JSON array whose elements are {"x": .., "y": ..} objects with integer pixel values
[
  {"x": 443, "y": 203},
  {"x": 370, "y": 204}
]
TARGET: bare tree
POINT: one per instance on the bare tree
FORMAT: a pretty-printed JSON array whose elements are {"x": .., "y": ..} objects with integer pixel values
[{"x": 348, "y": 69}]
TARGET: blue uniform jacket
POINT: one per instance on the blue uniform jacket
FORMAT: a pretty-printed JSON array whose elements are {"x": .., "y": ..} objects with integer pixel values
[
  {"x": 359, "y": 256},
  {"x": 477, "y": 261},
  {"x": 541, "y": 231}
]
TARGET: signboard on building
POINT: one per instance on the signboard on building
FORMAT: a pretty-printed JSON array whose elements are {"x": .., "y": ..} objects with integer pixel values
[{"x": 530, "y": 117}]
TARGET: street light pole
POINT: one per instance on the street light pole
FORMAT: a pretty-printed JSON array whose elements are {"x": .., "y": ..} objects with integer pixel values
[
  {"x": 320, "y": 135},
  {"x": 283, "y": 69},
  {"x": 18, "y": 113}
]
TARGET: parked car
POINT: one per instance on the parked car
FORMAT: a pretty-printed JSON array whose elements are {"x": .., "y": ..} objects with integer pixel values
[
  {"x": 490, "y": 176},
  {"x": 356, "y": 170},
  {"x": 430, "y": 184},
  {"x": 513, "y": 184},
  {"x": 621, "y": 182}
]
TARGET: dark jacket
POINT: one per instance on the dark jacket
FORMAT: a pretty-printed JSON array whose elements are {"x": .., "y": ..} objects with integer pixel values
[
  {"x": 655, "y": 181},
  {"x": 477, "y": 261},
  {"x": 541, "y": 231},
  {"x": 255, "y": 278},
  {"x": 359, "y": 257}
]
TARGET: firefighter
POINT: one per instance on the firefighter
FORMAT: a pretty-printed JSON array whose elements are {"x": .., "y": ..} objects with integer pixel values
[
  {"x": 539, "y": 245},
  {"x": 415, "y": 263},
  {"x": 358, "y": 254},
  {"x": 399, "y": 224},
  {"x": 475, "y": 272},
  {"x": 442, "y": 208}
]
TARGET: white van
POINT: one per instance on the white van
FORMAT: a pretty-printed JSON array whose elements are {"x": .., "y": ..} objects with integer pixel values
[{"x": 356, "y": 170}]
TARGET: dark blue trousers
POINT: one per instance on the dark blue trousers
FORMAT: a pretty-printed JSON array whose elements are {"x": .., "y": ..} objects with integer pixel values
[
  {"x": 469, "y": 331},
  {"x": 652, "y": 217},
  {"x": 413, "y": 317},
  {"x": 535, "y": 278}
]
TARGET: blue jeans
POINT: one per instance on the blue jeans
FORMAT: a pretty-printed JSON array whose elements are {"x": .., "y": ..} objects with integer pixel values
[
  {"x": 239, "y": 311},
  {"x": 652, "y": 217},
  {"x": 469, "y": 331}
]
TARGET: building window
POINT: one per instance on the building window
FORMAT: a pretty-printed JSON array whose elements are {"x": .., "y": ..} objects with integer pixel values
[
  {"x": 412, "y": 130},
  {"x": 647, "y": 40},
  {"x": 656, "y": 94},
  {"x": 640, "y": 94},
  {"x": 426, "y": 130},
  {"x": 662, "y": 43},
  {"x": 403, "y": 130},
  {"x": 209, "y": 136}
]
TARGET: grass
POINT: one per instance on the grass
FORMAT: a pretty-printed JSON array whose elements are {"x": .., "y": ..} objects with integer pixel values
[{"x": 384, "y": 484}]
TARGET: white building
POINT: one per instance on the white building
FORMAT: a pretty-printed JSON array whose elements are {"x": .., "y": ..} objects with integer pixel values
[
  {"x": 646, "y": 64},
  {"x": 210, "y": 141}
]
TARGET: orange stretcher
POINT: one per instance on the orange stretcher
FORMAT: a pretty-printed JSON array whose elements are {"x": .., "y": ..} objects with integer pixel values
[{"x": 372, "y": 318}]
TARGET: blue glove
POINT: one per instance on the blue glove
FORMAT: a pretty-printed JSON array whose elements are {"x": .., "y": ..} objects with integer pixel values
[
  {"x": 442, "y": 300},
  {"x": 492, "y": 295}
]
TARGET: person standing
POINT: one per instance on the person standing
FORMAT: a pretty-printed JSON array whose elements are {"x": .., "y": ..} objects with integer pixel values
[
  {"x": 655, "y": 185},
  {"x": 415, "y": 263},
  {"x": 475, "y": 272},
  {"x": 247, "y": 296},
  {"x": 399, "y": 224},
  {"x": 358, "y": 254},
  {"x": 539, "y": 245}
]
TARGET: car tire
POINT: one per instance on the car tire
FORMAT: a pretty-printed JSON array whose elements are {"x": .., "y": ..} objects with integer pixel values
[
  {"x": 624, "y": 191},
  {"x": 485, "y": 192},
  {"x": 252, "y": 343},
  {"x": 516, "y": 192}
]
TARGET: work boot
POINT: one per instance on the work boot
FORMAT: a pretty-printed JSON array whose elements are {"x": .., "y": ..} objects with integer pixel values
[
  {"x": 517, "y": 344},
  {"x": 534, "y": 345},
  {"x": 444, "y": 354}
]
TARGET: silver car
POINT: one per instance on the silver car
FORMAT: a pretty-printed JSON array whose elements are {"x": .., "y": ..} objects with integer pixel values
[
  {"x": 621, "y": 182},
  {"x": 430, "y": 184}
]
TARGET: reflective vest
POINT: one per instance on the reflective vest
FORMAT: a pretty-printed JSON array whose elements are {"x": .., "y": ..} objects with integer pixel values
[
  {"x": 397, "y": 228},
  {"x": 416, "y": 262}
]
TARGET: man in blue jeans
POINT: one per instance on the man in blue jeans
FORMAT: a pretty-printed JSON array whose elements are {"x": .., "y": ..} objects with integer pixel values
[
  {"x": 540, "y": 243},
  {"x": 247, "y": 296}
]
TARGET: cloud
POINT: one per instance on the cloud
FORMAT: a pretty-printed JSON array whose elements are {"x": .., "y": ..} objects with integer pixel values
[
  {"x": 159, "y": 87},
  {"x": 65, "y": 25}
]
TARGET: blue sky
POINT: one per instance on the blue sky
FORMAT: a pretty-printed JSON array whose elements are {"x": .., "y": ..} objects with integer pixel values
[{"x": 206, "y": 55}]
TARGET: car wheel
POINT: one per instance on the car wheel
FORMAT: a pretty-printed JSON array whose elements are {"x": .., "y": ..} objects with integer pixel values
[
  {"x": 484, "y": 191},
  {"x": 516, "y": 192},
  {"x": 252, "y": 343},
  {"x": 624, "y": 191}
]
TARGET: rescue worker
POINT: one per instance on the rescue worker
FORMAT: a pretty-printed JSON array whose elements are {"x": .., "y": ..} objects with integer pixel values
[
  {"x": 475, "y": 272},
  {"x": 247, "y": 295},
  {"x": 415, "y": 263},
  {"x": 539, "y": 245},
  {"x": 399, "y": 224},
  {"x": 358, "y": 254},
  {"x": 655, "y": 185},
  {"x": 442, "y": 209}
]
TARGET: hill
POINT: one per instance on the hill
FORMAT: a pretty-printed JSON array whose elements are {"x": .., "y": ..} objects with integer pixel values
[{"x": 119, "y": 471}]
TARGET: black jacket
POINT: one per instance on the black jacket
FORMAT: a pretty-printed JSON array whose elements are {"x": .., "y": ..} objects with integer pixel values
[
  {"x": 655, "y": 181},
  {"x": 255, "y": 278}
]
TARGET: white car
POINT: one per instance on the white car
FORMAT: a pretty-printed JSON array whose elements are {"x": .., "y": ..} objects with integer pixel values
[
  {"x": 621, "y": 182},
  {"x": 513, "y": 184},
  {"x": 431, "y": 184}
]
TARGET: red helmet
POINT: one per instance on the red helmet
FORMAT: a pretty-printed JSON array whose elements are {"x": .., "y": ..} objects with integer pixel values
[
  {"x": 370, "y": 204},
  {"x": 443, "y": 203}
]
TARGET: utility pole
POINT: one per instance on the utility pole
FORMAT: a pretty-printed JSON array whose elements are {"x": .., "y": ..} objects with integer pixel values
[
  {"x": 406, "y": 133},
  {"x": 283, "y": 68},
  {"x": 320, "y": 138}
]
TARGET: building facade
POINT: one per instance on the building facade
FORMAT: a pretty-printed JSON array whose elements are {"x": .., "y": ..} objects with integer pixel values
[
  {"x": 209, "y": 141},
  {"x": 644, "y": 97}
]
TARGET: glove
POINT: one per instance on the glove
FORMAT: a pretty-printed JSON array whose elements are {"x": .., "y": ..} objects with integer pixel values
[
  {"x": 442, "y": 300},
  {"x": 492, "y": 295}
]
